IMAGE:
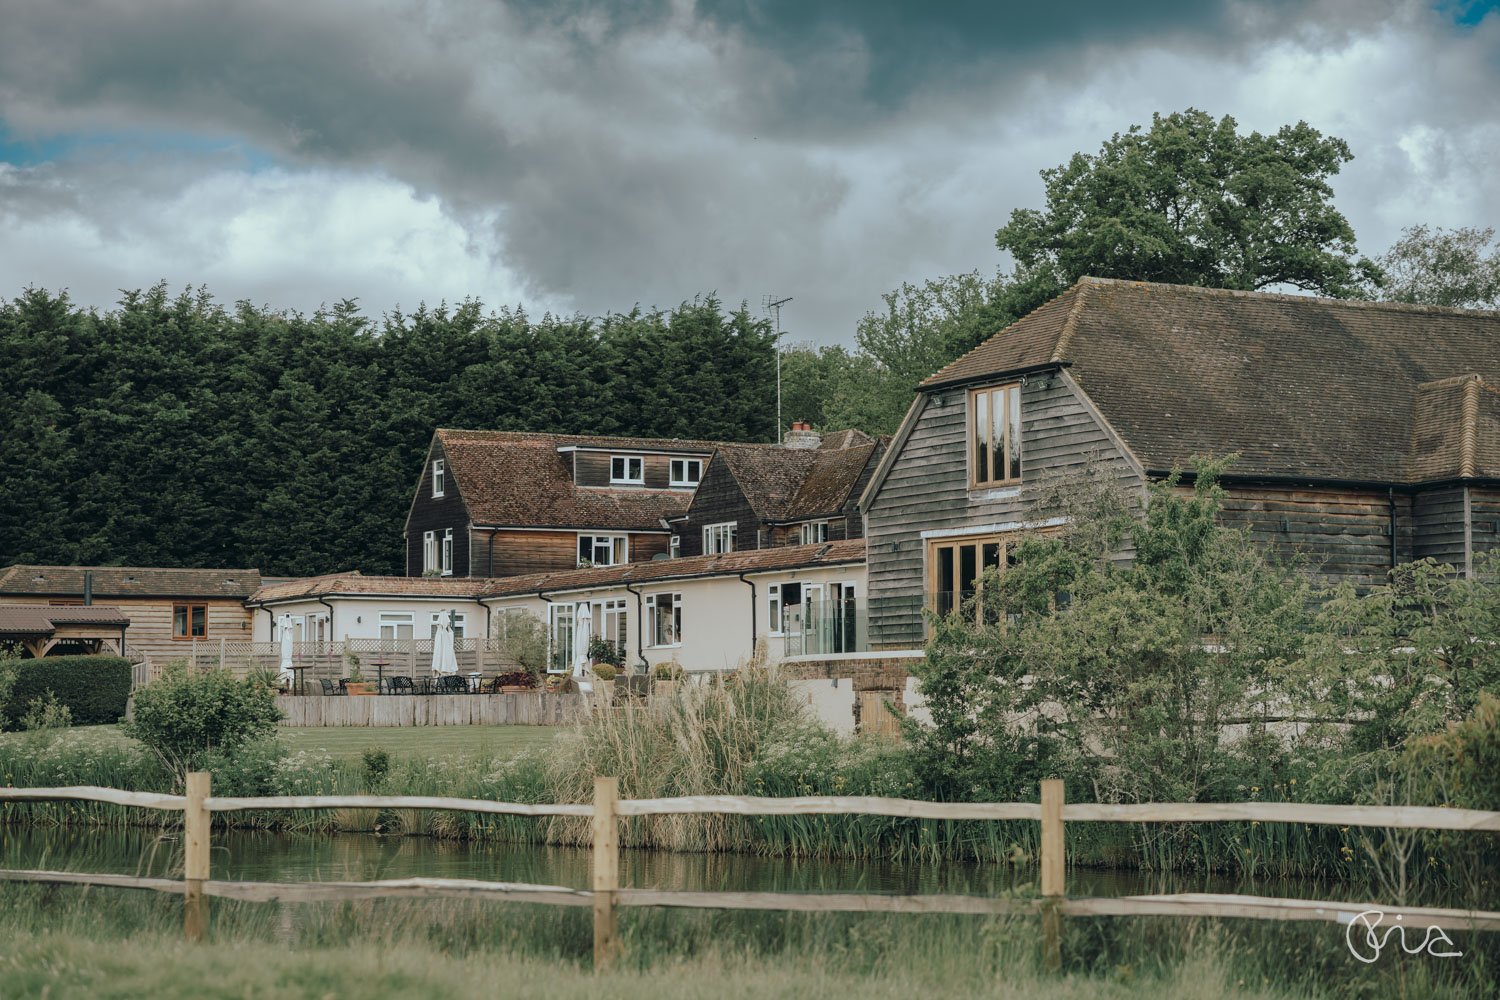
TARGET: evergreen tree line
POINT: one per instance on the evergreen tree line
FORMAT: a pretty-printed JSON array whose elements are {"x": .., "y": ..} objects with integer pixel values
[{"x": 173, "y": 431}]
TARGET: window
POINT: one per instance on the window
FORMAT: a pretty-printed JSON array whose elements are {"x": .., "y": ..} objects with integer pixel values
[
  {"x": 995, "y": 435},
  {"x": 439, "y": 474},
  {"x": 501, "y": 623},
  {"x": 665, "y": 614},
  {"x": 955, "y": 567},
  {"x": 561, "y": 655},
  {"x": 429, "y": 551},
  {"x": 315, "y": 627},
  {"x": 610, "y": 623},
  {"x": 396, "y": 625},
  {"x": 785, "y": 611},
  {"x": 603, "y": 550},
  {"x": 719, "y": 538},
  {"x": 460, "y": 623},
  {"x": 675, "y": 547},
  {"x": 448, "y": 552},
  {"x": 628, "y": 469},
  {"x": 189, "y": 621},
  {"x": 686, "y": 471},
  {"x": 814, "y": 532}
]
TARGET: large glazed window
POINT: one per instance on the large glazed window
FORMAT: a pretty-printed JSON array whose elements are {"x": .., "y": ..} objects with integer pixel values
[
  {"x": 955, "y": 571},
  {"x": 995, "y": 435}
]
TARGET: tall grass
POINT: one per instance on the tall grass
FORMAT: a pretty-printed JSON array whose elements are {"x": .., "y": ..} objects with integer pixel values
[{"x": 73, "y": 942}]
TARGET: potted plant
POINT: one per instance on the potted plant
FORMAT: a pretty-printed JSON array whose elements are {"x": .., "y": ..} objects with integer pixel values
[
  {"x": 560, "y": 683},
  {"x": 356, "y": 684},
  {"x": 604, "y": 683},
  {"x": 664, "y": 678},
  {"x": 516, "y": 681}
]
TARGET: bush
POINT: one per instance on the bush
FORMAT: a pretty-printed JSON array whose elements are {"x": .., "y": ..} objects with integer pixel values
[
  {"x": 94, "y": 689},
  {"x": 604, "y": 671},
  {"x": 601, "y": 650},
  {"x": 377, "y": 765},
  {"x": 185, "y": 716},
  {"x": 46, "y": 713},
  {"x": 517, "y": 678}
]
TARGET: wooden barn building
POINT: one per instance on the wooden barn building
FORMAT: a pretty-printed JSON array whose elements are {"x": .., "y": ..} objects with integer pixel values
[{"x": 1367, "y": 434}]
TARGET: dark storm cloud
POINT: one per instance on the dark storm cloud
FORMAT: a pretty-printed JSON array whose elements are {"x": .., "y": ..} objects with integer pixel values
[{"x": 631, "y": 152}]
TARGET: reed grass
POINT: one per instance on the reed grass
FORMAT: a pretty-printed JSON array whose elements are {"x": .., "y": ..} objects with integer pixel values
[{"x": 69, "y": 941}]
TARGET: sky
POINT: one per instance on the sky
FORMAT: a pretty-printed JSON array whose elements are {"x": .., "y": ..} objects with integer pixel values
[{"x": 579, "y": 156}]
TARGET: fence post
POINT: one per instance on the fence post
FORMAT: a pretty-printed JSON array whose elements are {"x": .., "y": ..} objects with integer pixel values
[
  {"x": 1053, "y": 872},
  {"x": 606, "y": 872},
  {"x": 195, "y": 824},
  {"x": 223, "y": 664}
]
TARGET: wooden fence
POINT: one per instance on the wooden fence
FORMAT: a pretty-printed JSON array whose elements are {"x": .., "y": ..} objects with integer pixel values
[
  {"x": 606, "y": 894},
  {"x": 333, "y": 660}
]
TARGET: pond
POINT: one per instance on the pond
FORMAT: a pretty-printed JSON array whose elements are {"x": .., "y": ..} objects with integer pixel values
[{"x": 282, "y": 857}]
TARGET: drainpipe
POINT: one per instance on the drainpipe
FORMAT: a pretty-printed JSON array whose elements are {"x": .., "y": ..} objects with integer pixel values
[
  {"x": 1392, "y": 495},
  {"x": 754, "y": 602},
  {"x": 543, "y": 597},
  {"x": 640, "y": 613},
  {"x": 325, "y": 604}
]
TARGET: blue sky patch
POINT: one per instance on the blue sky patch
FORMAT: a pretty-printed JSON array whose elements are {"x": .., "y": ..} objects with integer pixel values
[{"x": 123, "y": 145}]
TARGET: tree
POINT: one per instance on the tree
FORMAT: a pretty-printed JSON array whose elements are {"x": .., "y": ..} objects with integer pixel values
[
  {"x": 1437, "y": 267},
  {"x": 1192, "y": 201},
  {"x": 186, "y": 715}
]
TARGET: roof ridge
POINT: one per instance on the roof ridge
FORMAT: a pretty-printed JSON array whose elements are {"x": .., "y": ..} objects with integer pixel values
[
  {"x": 1070, "y": 290},
  {"x": 1468, "y": 423},
  {"x": 1065, "y": 335},
  {"x": 1294, "y": 297}
]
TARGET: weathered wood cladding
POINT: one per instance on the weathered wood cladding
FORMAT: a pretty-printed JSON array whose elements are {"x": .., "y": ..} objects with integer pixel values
[
  {"x": 1484, "y": 512},
  {"x": 591, "y": 468},
  {"x": 645, "y": 547},
  {"x": 717, "y": 500},
  {"x": 437, "y": 515},
  {"x": 1439, "y": 525},
  {"x": 518, "y": 551},
  {"x": 926, "y": 489},
  {"x": 1331, "y": 534}
]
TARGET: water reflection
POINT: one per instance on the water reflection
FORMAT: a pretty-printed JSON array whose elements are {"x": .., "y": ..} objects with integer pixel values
[{"x": 278, "y": 857}]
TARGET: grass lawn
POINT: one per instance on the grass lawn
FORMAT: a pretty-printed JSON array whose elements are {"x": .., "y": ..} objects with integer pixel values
[{"x": 348, "y": 741}]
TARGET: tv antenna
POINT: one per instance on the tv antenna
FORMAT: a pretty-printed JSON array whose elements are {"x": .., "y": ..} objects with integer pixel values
[{"x": 772, "y": 304}]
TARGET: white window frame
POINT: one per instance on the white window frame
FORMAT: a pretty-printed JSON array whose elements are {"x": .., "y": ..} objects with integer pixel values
[
  {"x": 460, "y": 624},
  {"x": 721, "y": 537},
  {"x": 625, "y": 479},
  {"x": 654, "y": 611},
  {"x": 447, "y": 565},
  {"x": 505, "y": 616},
  {"x": 814, "y": 532},
  {"x": 555, "y": 614},
  {"x": 674, "y": 547},
  {"x": 618, "y": 547},
  {"x": 429, "y": 551},
  {"x": 394, "y": 620},
  {"x": 612, "y": 622},
  {"x": 439, "y": 477},
  {"x": 678, "y": 472}
]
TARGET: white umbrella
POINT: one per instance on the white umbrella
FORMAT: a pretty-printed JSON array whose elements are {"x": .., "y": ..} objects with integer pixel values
[
  {"x": 444, "y": 661},
  {"x": 583, "y": 630},
  {"x": 285, "y": 626}
]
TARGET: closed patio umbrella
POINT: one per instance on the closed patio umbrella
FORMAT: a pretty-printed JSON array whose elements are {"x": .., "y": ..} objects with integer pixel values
[
  {"x": 285, "y": 626},
  {"x": 583, "y": 630},
  {"x": 444, "y": 659}
]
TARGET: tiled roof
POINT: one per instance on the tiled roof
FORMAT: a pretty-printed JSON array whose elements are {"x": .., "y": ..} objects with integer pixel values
[
  {"x": 725, "y": 564},
  {"x": 42, "y": 619},
  {"x": 829, "y": 482},
  {"x": 386, "y": 586},
  {"x": 1300, "y": 387},
  {"x": 517, "y": 478},
  {"x": 850, "y": 438},
  {"x": 129, "y": 581}
]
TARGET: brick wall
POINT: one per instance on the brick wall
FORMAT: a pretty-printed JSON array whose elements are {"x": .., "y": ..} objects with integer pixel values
[{"x": 884, "y": 674}]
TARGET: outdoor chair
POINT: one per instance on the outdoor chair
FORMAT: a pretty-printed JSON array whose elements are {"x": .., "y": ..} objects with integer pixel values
[
  {"x": 329, "y": 690},
  {"x": 401, "y": 684},
  {"x": 452, "y": 684}
]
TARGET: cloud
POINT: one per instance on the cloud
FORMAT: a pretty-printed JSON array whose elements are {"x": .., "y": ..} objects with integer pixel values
[{"x": 586, "y": 156}]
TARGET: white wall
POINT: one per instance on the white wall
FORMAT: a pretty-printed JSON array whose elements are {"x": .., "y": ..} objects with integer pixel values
[{"x": 359, "y": 618}]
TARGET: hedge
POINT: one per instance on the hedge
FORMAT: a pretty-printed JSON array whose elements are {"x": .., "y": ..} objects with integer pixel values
[{"x": 94, "y": 688}]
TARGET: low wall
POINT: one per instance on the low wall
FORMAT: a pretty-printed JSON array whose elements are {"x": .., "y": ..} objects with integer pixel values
[
  {"x": 875, "y": 679},
  {"x": 531, "y": 708}
]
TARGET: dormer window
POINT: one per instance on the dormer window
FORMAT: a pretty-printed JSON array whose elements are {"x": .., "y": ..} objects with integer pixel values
[
  {"x": 627, "y": 470},
  {"x": 686, "y": 471},
  {"x": 439, "y": 474},
  {"x": 995, "y": 436}
]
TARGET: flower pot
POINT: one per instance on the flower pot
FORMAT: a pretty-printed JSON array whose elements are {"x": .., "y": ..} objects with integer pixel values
[
  {"x": 663, "y": 689},
  {"x": 362, "y": 687},
  {"x": 515, "y": 688},
  {"x": 605, "y": 692}
]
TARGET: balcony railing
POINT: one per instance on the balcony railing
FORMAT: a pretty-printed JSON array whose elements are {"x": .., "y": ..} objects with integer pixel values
[
  {"x": 315, "y": 661},
  {"x": 818, "y": 628}
]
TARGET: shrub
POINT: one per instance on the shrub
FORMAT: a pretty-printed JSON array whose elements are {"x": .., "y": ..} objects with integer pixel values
[
  {"x": 93, "y": 688},
  {"x": 185, "y": 716},
  {"x": 377, "y": 765},
  {"x": 667, "y": 671},
  {"x": 601, "y": 650},
  {"x": 517, "y": 678},
  {"x": 524, "y": 641},
  {"x": 604, "y": 671},
  {"x": 46, "y": 713}
]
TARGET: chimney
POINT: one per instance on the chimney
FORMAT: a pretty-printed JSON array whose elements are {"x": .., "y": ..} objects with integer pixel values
[{"x": 802, "y": 435}]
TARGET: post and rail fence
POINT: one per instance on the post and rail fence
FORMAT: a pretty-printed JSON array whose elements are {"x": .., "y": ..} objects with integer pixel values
[{"x": 606, "y": 895}]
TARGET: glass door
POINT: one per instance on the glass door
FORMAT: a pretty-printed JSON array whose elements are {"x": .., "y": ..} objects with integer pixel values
[{"x": 955, "y": 569}]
